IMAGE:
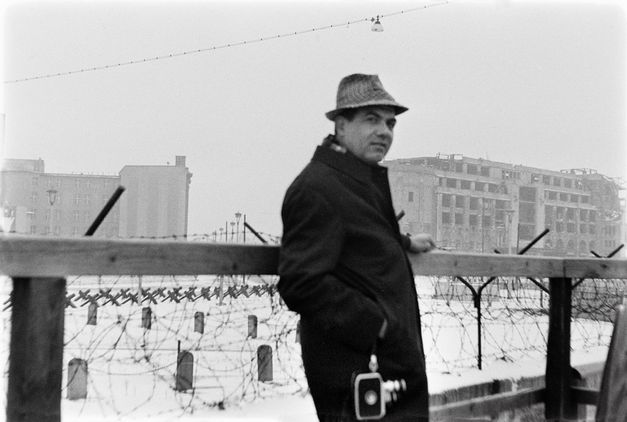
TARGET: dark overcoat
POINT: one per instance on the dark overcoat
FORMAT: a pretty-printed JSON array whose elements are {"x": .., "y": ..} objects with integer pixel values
[{"x": 344, "y": 269}]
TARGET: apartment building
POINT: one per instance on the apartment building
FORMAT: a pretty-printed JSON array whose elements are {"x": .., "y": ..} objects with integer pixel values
[
  {"x": 58, "y": 204},
  {"x": 480, "y": 205}
]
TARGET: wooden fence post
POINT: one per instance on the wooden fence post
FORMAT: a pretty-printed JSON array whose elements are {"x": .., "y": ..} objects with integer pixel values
[
  {"x": 264, "y": 363},
  {"x": 199, "y": 322},
  {"x": 92, "y": 314},
  {"x": 146, "y": 317},
  {"x": 184, "y": 371},
  {"x": 77, "y": 379},
  {"x": 559, "y": 405},
  {"x": 252, "y": 326},
  {"x": 36, "y": 350}
]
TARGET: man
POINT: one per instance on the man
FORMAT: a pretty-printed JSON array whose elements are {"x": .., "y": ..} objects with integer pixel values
[{"x": 343, "y": 265}]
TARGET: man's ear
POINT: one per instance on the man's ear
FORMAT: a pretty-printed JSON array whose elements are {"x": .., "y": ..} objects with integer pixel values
[{"x": 340, "y": 124}]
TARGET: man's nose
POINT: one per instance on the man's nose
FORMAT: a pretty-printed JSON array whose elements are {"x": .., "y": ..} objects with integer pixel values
[{"x": 384, "y": 131}]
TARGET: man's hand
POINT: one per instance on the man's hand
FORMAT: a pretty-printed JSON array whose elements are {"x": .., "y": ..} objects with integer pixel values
[{"x": 422, "y": 242}]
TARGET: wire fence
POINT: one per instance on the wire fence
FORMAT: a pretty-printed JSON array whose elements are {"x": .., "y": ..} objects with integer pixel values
[{"x": 150, "y": 346}]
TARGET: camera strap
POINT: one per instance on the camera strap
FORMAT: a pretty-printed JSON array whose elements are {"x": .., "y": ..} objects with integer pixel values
[{"x": 373, "y": 365}]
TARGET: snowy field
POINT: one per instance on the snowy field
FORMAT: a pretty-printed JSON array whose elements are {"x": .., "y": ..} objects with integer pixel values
[{"x": 132, "y": 369}]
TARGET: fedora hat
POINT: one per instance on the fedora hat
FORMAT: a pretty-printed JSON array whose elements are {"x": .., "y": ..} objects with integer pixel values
[{"x": 359, "y": 90}]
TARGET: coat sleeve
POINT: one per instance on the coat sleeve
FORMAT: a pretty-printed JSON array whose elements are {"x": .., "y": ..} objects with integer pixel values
[{"x": 311, "y": 247}]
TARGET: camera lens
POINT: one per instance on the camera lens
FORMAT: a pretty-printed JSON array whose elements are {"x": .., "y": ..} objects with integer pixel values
[{"x": 371, "y": 397}]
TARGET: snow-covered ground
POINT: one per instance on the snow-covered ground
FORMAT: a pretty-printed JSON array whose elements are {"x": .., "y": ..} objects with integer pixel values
[{"x": 132, "y": 370}]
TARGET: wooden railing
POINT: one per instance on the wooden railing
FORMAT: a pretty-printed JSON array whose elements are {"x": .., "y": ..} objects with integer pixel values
[{"x": 39, "y": 266}]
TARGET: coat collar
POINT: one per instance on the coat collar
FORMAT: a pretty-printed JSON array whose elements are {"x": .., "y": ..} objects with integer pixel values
[{"x": 348, "y": 163}]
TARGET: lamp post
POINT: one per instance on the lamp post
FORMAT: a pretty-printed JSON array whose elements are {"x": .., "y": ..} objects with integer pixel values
[
  {"x": 232, "y": 230},
  {"x": 238, "y": 215},
  {"x": 52, "y": 198},
  {"x": 508, "y": 229}
]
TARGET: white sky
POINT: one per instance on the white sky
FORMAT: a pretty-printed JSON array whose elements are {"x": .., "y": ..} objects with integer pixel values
[{"x": 538, "y": 84}]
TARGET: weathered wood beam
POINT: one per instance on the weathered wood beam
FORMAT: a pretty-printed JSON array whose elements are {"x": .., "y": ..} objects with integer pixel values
[
  {"x": 488, "y": 405},
  {"x": 88, "y": 256},
  {"x": 36, "y": 350},
  {"x": 559, "y": 405}
]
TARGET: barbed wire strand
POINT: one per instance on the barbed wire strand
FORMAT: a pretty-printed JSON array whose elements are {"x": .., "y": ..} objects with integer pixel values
[{"x": 218, "y": 47}]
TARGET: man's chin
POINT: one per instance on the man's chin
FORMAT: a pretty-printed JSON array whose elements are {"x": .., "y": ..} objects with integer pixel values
[{"x": 375, "y": 158}]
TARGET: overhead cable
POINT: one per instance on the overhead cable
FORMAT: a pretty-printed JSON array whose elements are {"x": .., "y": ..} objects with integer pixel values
[{"x": 216, "y": 47}]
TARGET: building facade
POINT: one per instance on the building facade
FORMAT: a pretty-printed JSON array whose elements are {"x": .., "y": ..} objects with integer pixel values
[
  {"x": 479, "y": 205},
  {"x": 40, "y": 203},
  {"x": 157, "y": 200}
]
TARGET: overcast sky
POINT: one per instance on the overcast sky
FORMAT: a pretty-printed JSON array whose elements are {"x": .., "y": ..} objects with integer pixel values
[{"x": 538, "y": 84}]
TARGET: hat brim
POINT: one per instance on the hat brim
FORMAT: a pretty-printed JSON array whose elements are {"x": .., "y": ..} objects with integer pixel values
[{"x": 398, "y": 109}]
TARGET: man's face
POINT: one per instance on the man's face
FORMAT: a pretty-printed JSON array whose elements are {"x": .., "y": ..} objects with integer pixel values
[{"x": 369, "y": 134}]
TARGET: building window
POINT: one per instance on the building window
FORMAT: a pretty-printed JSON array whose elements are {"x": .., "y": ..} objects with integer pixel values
[
  {"x": 474, "y": 203},
  {"x": 33, "y": 229},
  {"x": 446, "y": 200},
  {"x": 592, "y": 229},
  {"x": 574, "y": 198},
  {"x": 460, "y": 201},
  {"x": 459, "y": 167},
  {"x": 500, "y": 216},
  {"x": 549, "y": 215},
  {"x": 568, "y": 183},
  {"x": 473, "y": 220},
  {"x": 446, "y": 218},
  {"x": 546, "y": 180},
  {"x": 77, "y": 199},
  {"x": 486, "y": 221},
  {"x": 87, "y": 199},
  {"x": 410, "y": 197},
  {"x": 451, "y": 183},
  {"x": 570, "y": 227},
  {"x": 459, "y": 219},
  {"x": 526, "y": 232},
  {"x": 485, "y": 171},
  {"x": 527, "y": 194},
  {"x": 564, "y": 196},
  {"x": 570, "y": 214},
  {"x": 592, "y": 215},
  {"x": 527, "y": 212},
  {"x": 557, "y": 181},
  {"x": 559, "y": 227},
  {"x": 479, "y": 186},
  {"x": 466, "y": 184},
  {"x": 471, "y": 169},
  {"x": 585, "y": 199}
]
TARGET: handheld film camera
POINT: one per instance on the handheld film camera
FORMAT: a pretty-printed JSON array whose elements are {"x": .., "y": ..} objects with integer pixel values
[{"x": 371, "y": 393}]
